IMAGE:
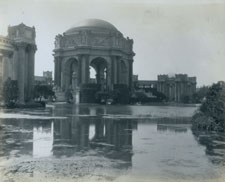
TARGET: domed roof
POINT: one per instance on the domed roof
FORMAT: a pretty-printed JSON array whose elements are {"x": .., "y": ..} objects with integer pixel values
[{"x": 92, "y": 23}]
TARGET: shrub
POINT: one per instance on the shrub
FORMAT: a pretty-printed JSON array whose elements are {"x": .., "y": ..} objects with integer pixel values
[
  {"x": 10, "y": 92},
  {"x": 213, "y": 108}
]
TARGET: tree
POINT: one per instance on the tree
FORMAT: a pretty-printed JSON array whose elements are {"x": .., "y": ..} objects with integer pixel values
[
  {"x": 214, "y": 105},
  {"x": 211, "y": 115},
  {"x": 185, "y": 99},
  {"x": 160, "y": 96},
  {"x": 199, "y": 96},
  {"x": 43, "y": 91},
  {"x": 10, "y": 92}
]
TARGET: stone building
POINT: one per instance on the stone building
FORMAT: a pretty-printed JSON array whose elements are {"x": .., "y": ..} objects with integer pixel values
[
  {"x": 176, "y": 87},
  {"x": 46, "y": 79},
  {"x": 17, "y": 51},
  {"x": 96, "y": 44}
]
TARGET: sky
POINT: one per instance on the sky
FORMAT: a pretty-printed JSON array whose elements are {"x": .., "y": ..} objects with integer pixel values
[{"x": 185, "y": 36}]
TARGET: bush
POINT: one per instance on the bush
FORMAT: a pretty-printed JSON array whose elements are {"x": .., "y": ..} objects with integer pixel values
[
  {"x": 213, "y": 108},
  {"x": 10, "y": 92},
  {"x": 43, "y": 91}
]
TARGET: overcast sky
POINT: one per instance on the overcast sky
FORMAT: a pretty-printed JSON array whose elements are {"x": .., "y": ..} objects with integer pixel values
[{"x": 169, "y": 36}]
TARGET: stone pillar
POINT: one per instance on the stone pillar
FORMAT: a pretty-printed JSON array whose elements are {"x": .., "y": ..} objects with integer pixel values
[
  {"x": 115, "y": 70},
  {"x": 83, "y": 66},
  {"x": 130, "y": 73},
  {"x": 87, "y": 71},
  {"x": 109, "y": 75},
  {"x": 26, "y": 75},
  {"x": 1, "y": 77},
  {"x": 31, "y": 65},
  {"x": 5, "y": 67},
  {"x": 112, "y": 60},
  {"x": 21, "y": 60},
  {"x": 118, "y": 71},
  {"x": 58, "y": 71},
  {"x": 79, "y": 69},
  {"x": 84, "y": 69}
]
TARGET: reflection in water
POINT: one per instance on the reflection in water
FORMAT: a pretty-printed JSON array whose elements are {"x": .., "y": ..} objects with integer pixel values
[
  {"x": 108, "y": 134},
  {"x": 16, "y": 135},
  {"x": 43, "y": 140},
  {"x": 174, "y": 128},
  {"x": 87, "y": 143}
]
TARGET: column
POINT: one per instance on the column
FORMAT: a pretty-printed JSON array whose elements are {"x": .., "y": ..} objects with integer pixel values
[
  {"x": 112, "y": 59},
  {"x": 79, "y": 69},
  {"x": 87, "y": 71},
  {"x": 115, "y": 70},
  {"x": 5, "y": 67},
  {"x": 109, "y": 75},
  {"x": 1, "y": 77},
  {"x": 130, "y": 73},
  {"x": 58, "y": 70},
  {"x": 26, "y": 76},
  {"x": 118, "y": 71},
  {"x": 21, "y": 60},
  {"x": 31, "y": 65},
  {"x": 83, "y": 69}
]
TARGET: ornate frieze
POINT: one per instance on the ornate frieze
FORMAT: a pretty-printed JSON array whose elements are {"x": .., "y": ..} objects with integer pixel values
[{"x": 88, "y": 38}]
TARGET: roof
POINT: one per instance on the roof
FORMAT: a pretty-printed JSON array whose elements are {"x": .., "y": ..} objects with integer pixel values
[{"x": 92, "y": 23}]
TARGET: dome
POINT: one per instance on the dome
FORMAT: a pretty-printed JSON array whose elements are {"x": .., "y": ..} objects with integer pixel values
[{"x": 92, "y": 23}]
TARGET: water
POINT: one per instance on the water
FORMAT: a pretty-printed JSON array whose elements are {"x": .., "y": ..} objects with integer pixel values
[{"x": 107, "y": 143}]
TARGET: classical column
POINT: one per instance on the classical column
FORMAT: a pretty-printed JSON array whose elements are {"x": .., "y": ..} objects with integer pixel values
[
  {"x": 79, "y": 69},
  {"x": 83, "y": 68},
  {"x": 21, "y": 61},
  {"x": 31, "y": 65},
  {"x": 130, "y": 73},
  {"x": 26, "y": 75},
  {"x": 87, "y": 71},
  {"x": 1, "y": 77},
  {"x": 115, "y": 60},
  {"x": 112, "y": 70},
  {"x": 5, "y": 67},
  {"x": 118, "y": 71},
  {"x": 58, "y": 71},
  {"x": 109, "y": 75}
]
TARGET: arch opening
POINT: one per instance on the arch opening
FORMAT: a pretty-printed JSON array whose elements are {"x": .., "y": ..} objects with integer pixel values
[
  {"x": 71, "y": 74},
  {"x": 98, "y": 72}
]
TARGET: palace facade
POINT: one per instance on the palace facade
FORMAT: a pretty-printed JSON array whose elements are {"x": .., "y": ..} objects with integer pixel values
[{"x": 175, "y": 87}]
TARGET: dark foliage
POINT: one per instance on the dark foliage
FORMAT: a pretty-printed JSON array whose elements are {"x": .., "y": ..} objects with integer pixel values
[
  {"x": 10, "y": 92},
  {"x": 212, "y": 110},
  {"x": 199, "y": 96},
  {"x": 43, "y": 91}
]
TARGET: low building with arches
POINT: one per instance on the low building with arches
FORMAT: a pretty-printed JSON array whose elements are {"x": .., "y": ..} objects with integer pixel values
[{"x": 92, "y": 53}]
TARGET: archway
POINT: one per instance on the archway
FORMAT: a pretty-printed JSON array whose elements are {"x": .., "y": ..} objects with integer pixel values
[
  {"x": 99, "y": 67},
  {"x": 92, "y": 77},
  {"x": 71, "y": 74}
]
